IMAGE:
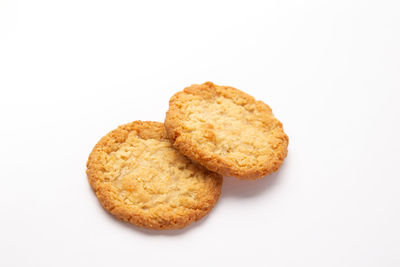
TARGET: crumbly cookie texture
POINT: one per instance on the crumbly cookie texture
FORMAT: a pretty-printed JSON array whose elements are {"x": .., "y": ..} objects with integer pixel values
[
  {"x": 139, "y": 177},
  {"x": 226, "y": 130}
]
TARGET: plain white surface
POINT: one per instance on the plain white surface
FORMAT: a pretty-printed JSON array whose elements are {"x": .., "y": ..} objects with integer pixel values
[{"x": 70, "y": 71}]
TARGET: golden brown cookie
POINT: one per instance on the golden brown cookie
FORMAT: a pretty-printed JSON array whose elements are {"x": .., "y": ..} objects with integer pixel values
[
  {"x": 226, "y": 130},
  {"x": 139, "y": 177}
]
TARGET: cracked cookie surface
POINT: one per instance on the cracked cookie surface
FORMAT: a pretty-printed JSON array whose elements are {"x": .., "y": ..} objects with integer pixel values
[
  {"x": 139, "y": 177},
  {"x": 226, "y": 130}
]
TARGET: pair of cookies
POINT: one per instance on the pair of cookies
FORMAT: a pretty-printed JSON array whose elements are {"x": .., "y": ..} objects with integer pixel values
[{"x": 165, "y": 176}]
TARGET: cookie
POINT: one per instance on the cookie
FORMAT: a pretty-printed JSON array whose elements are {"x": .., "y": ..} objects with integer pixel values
[
  {"x": 226, "y": 130},
  {"x": 140, "y": 178}
]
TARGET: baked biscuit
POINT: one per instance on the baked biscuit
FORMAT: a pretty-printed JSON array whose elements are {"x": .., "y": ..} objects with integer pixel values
[
  {"x": 139, "y": 177},
  {"x": 226, "y": 130}
]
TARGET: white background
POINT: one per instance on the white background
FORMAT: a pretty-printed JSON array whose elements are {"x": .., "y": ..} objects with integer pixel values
[{"x": 70, "y": 71}]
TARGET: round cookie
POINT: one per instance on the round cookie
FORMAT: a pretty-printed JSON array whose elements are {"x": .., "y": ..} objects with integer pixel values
[
  {"x": 139, "y": 177},
  {"x": 226, "y": 130}
]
